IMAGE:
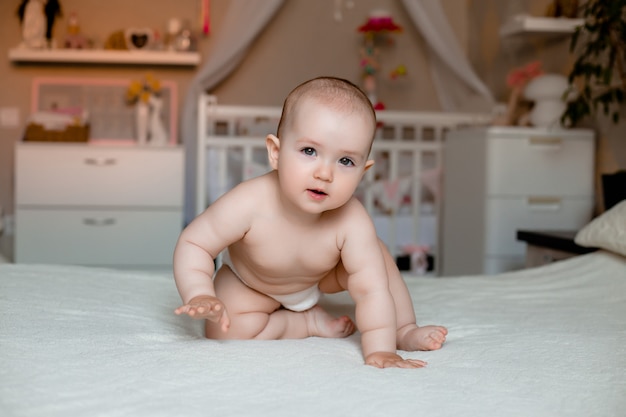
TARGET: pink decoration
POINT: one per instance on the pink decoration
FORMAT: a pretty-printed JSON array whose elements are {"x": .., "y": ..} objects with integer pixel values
[
  {"x": 380, "y": 24},
  {"x": 379, "y": 105},
  {"x": 518, "y": 77},
  {"x": 206, "y": 20},
  {"x": 418, "y": 254}
]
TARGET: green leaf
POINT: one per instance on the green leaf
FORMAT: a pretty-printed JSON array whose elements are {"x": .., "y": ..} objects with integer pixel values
[{"x": 599, "y": 48}]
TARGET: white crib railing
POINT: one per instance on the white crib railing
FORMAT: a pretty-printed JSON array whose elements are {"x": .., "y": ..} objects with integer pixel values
[{"x": 406, "y": 144}]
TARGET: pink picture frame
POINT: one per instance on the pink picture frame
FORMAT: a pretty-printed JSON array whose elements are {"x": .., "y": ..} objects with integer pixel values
[{"x": 111, "y": 118}]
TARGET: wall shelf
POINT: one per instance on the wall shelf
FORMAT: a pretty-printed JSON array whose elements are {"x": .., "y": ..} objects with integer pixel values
[
  {"x": 100, "y": 56},
  {"x": 522, "y": 25}
]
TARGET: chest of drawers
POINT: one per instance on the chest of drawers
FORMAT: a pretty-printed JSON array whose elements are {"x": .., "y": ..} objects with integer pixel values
[
  {"x": 98, "y": 205},
  {"x": 501, "y": 179}
]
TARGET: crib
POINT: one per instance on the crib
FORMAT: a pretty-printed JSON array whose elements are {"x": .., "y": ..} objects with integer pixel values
[{"x": 400, "y": 192}]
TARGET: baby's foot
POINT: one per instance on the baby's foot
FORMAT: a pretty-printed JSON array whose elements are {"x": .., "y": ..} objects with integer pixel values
[
  {"x": 411, "y": 338},
  {"x": 320, "y": 323}
]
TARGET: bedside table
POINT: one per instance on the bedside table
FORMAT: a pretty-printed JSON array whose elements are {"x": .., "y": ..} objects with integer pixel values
[{"x": 547, "y": 246}]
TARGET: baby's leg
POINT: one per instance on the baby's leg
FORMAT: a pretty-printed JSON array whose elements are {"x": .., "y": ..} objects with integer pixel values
[
  {"x": 254, "y": 315},
  {"x": 286, "y": 324}
]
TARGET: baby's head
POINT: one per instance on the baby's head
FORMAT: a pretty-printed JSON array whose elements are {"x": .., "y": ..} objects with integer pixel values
[
  {"x": 322, "y": 144},
  {"x": 336, "y": 93}
]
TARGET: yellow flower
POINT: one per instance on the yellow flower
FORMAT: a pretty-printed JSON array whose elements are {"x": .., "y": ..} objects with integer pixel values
[
  {"x": 155, "y": 86},
  {"x": 142, "y": 90},
  {"x": 145, "y": 96}
]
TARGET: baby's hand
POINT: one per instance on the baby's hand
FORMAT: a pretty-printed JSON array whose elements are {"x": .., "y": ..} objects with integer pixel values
[
  {"x": 392, "y": 360},
  {"x": 206, "y": 307}
]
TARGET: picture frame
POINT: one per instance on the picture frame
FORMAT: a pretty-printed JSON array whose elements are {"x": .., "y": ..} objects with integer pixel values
[{"x": 111, "y": 119}]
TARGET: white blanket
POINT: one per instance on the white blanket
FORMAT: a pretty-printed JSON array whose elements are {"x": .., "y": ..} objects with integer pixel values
[{"x": 80, "y": 341}]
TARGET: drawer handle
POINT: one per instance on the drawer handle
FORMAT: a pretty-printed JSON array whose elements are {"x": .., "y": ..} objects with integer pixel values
[
  {"x": 547, "y": 141},
  {"x": 100, "y": 162},
  {"x": 544, "y": 203},
  {"x": 91, "y": 221}
]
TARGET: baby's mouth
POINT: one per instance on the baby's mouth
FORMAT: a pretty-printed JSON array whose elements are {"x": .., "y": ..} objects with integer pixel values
[{"x": 317, "y": 192}]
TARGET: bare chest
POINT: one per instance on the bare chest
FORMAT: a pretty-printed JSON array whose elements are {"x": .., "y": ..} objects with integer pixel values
[{"x": 273, "y": 249}]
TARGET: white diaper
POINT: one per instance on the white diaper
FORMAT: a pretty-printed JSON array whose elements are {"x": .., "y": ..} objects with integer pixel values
[
  {"x": 297, "y": 301},
  {"x": 301, "y": 300}
]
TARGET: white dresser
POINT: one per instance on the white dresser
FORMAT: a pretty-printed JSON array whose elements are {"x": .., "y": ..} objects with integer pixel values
[
  {"x": 501, "y": 179},
  {"x": 118, "y": 206}
]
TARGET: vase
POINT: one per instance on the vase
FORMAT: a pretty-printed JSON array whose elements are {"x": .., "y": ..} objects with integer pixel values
[
  {"x": 157, "y": 132},
  {"x": 142, "y": 113}
]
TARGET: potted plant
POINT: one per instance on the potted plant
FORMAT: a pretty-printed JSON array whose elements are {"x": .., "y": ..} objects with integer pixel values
[
  {"x": 599, "y": 77},
  {"x": 599, "y": 71}
]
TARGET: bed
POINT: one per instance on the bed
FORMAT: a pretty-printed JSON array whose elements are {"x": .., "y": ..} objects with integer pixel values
[
  {"x": 401, "y": 192},
  {"x": 544, "y": 342}
]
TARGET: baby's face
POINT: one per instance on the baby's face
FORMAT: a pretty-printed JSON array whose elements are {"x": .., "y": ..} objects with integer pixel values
[{"x": 323, "y": 155}]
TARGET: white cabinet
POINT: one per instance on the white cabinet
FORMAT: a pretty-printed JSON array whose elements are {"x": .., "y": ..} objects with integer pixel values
[
  {"x": 98, "y": 205},
  {"x": 501, "y": 179}
]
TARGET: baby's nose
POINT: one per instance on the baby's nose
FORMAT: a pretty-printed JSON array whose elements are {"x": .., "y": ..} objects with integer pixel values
[{"x": 324, "y": 172}]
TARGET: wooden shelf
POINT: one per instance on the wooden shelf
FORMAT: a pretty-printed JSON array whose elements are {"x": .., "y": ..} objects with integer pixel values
[
  {"x": 521, "y": 25},
  {"x": 100, "y": 56}
]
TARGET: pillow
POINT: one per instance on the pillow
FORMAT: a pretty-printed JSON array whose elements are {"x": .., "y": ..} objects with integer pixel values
[{"x": 607, "y": 231}]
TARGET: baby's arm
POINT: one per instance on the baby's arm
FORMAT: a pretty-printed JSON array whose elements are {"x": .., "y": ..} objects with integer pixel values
[
  {"x": 193, "y": 272},
  {"x": 223, "y": 223},
  {"x": 206, "y": 307},
  {"x": 369, "y": 287}
]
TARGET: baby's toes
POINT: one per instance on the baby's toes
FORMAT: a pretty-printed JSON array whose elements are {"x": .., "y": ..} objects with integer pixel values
[
  {"x": 437, "y": 340},
  {"x": 348, "y": 325}
]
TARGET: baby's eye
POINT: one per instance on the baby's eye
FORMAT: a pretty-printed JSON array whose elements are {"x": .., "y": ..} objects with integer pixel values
[
  {"x": 346, "y": 162},
  {"x": 308, "y": 151}
]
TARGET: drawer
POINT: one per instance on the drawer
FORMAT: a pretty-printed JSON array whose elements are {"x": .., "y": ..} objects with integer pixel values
[
  {"x": 98, "y": 176},
  {"x": 93, "y": 237},
  {"x": 508, "y": 215},
  {"x": 540, "y": 165}
]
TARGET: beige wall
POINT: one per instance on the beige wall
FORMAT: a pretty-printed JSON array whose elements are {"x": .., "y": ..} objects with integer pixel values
[
  {"x": 301, "y": 42},
  {"x": 493, "y": 56},
  {"x": 305, "y": 41}
]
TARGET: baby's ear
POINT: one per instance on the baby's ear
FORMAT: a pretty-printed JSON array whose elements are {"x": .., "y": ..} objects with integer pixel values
[
  {"x": 273, "y": 146},
  {"x": 368, "y": 164}
]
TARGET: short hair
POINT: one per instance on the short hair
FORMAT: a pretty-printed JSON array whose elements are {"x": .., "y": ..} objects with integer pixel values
[{"x": 335, "y": 92}]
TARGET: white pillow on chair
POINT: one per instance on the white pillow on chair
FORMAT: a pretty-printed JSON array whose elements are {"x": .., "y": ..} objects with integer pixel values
[{"x": 607, "y": 231}]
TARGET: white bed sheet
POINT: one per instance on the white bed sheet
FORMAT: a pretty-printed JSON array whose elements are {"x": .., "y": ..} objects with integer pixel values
[{"x": 80, "y": 341}]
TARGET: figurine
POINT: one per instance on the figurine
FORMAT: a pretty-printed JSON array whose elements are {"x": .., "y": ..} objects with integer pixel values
[
  {"x": 37, "y": 21},
  {"x": 52, "y": 10},
  {"x": 33, "y": 21},
  {"x": 74, "y": 39}
]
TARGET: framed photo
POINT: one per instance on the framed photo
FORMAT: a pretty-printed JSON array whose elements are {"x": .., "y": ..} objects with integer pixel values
[{"x": 111, "y": 118}]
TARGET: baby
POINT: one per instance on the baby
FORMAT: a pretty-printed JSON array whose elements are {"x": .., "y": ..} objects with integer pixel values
[{"x": 297, "y": 232}]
